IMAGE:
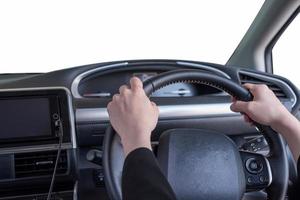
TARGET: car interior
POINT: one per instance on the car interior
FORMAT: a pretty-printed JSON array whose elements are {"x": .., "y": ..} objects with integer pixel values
[{"x": 56, "y": 141}]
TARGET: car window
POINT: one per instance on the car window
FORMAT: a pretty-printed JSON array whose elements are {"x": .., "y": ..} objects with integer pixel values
[
  {"x": 40, "y": 36},
  {"x": 286, "y": 59}
]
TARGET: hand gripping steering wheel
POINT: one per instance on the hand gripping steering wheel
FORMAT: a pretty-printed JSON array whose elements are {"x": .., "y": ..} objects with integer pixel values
[{"x": 211, "y": 165}]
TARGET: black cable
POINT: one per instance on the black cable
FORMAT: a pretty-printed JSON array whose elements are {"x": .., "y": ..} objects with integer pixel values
[{"x": 60, "y": 135}]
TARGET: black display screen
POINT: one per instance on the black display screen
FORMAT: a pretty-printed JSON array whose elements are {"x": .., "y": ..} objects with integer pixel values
[{"x": 23, "y": 118}]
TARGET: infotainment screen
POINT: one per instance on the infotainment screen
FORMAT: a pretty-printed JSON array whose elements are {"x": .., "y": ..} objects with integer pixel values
[
  {"x": 35, "y": 117},
  {"x": 25, "y": 118}
]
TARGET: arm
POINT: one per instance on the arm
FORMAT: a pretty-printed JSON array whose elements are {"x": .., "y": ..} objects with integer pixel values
[
  {"x": 268, "y": 110},
  {"x": 143, "y": 179},
  {"x": 289, "y": 128},
  {"x": 134, "y": 117}
]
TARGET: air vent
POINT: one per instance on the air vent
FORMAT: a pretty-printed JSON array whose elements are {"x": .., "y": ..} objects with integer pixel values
[
  {"x": 245, "y": 78},
  {"x": 39, "y": 164}
]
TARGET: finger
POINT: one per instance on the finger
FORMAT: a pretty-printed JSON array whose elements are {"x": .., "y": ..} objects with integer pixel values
[
  {"x": 250, "y": 120},
  {"x": 123, "y": 89},
  {"x": 249, "y": 86},
  {"x": 109, "y": 108},
  {"x": 116, "y": 97},
  {"x": 155, "y": 106},
  {"x": 233, "y": 99},
  {"x": 252, "y": 123},
  {"x": 247, "y": 118},
  {"x": 239, "y": 106},
  {"x": 109, "y": 105},
  {"x": 136, "y": 83}
]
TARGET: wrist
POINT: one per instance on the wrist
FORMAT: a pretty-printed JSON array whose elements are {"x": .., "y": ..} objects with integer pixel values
[
  {"x": 132, "y": 143},
  {"x": 283, "y": 122},
  {"x": 131, "y": 147}
]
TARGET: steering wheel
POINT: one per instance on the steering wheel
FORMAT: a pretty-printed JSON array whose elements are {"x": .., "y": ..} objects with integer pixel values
[{"x": 201, "y": 164}]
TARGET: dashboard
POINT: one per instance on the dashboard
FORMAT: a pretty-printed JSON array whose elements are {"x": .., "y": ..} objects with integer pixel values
[{"x": 65, "y": 110}]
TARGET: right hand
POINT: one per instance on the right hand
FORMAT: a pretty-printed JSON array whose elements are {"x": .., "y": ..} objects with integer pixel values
[
  {"x": 265, "y": 108},
  {"x": 133, "y": 116}
]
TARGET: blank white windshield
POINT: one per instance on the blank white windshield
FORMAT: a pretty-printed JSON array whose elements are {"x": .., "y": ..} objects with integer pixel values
[{"x": 41, "y": 36}]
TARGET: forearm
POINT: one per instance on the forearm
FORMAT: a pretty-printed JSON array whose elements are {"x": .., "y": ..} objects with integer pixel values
[
  {"x": 143, "y": 179},
  {"x": 289, "y": 128}
]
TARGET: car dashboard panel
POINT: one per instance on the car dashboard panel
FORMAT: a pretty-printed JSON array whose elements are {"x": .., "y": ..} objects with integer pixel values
[
  {"x": 80, "y": 95},
  {"x": 35, "y": 122}
]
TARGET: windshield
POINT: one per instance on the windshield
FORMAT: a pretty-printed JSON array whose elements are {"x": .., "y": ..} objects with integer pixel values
[{"x": 41, "y": 36}]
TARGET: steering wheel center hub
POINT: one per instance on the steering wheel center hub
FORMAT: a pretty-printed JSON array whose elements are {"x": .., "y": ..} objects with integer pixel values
[{"x": 201, "y": 164}]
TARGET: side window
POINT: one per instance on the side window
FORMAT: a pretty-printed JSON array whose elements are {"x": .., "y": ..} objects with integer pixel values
[{"x": 286, "y": 53}]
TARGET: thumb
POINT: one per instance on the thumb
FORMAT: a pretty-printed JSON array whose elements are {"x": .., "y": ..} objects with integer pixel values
[
  {"x": 239, "y": 106},
  {"x": 136, "y": 83}
]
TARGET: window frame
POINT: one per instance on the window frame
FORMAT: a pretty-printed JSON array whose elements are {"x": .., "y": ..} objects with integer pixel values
[{"x": 269, "y": 48}]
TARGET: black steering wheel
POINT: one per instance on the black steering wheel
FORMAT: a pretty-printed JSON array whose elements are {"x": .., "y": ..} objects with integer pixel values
[{"x": 202, "y": 164}]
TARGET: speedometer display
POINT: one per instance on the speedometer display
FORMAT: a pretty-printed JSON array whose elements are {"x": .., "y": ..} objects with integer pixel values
[{"x": 106, "y": 85}]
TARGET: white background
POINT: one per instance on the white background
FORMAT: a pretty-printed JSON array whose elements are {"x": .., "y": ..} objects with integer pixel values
[
  {"x": 286, "y": 53},
  {"x": 45, "y": 35}
]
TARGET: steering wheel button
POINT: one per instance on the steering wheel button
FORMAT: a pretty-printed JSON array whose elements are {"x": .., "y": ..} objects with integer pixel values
[
  {"x": 253, "y": 165},
  {"x": 249, "y": 180},
  {"x": 258, "y": 140},
  {"x": 262, "y": 179}
]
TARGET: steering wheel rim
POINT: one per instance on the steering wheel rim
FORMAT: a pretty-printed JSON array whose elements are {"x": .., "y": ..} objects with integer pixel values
[{"x": 277, "y": 157}]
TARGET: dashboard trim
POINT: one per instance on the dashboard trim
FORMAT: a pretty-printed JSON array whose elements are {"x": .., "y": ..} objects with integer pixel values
[
  {"x": 100, "y": 115},
  {"x": 76, "y": 81},
  {"x": 73, "y": 143},
  {"x": 202, "y": 66},
  {"x": 35, "y": 148}
]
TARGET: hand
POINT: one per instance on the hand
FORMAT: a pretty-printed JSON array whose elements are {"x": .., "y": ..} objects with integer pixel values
[
  {"x": 265, "y": 108},
  {"x": 133, "y": 116}
]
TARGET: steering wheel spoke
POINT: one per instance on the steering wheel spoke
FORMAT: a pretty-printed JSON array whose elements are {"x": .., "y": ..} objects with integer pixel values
[{"x": 258, "y": 174}]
